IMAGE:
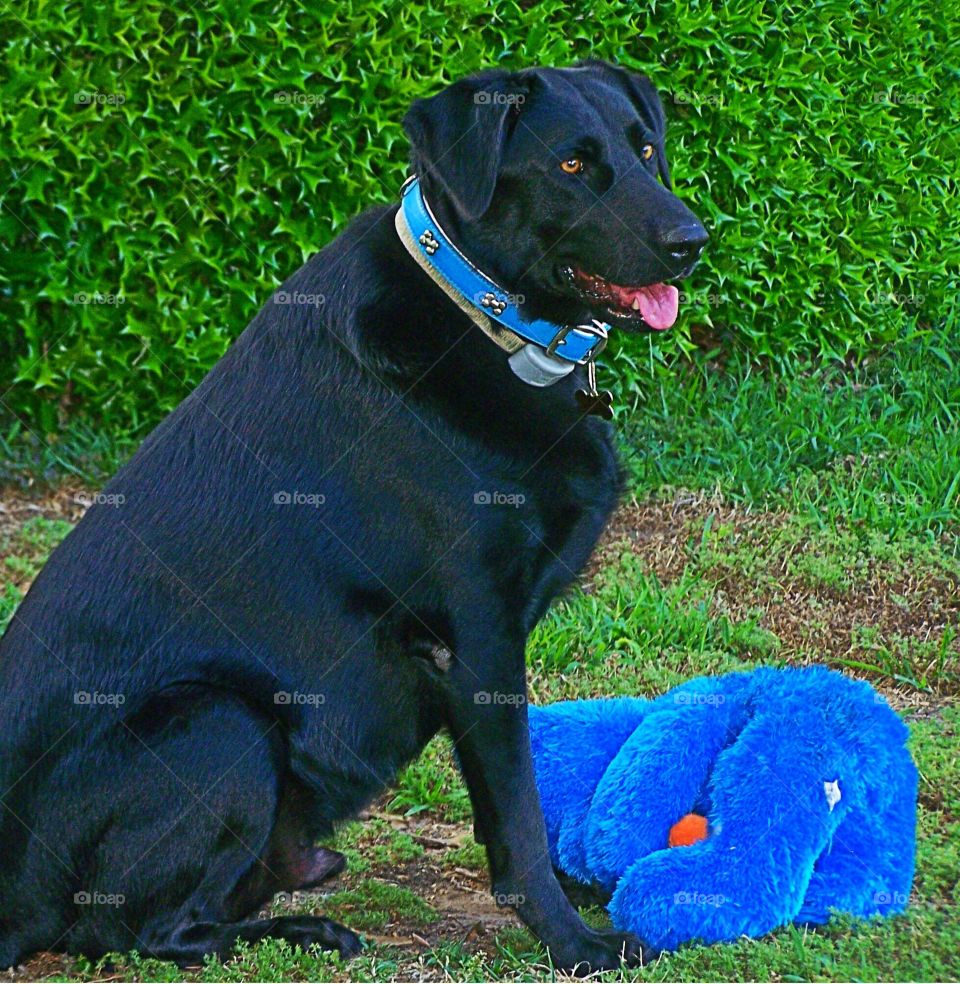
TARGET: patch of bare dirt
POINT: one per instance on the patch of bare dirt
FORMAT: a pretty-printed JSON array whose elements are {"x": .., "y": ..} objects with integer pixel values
[
  {"x": 659, "y": 532},
  {"x": 17, "y": 506},
  {"x": 814, "y": 622},
  {"x": 468, "y": 912},
  {"x": 17, "y": 509}
]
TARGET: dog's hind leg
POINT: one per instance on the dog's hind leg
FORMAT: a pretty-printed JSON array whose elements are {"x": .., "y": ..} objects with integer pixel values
[{"x": 181, "y": 881}]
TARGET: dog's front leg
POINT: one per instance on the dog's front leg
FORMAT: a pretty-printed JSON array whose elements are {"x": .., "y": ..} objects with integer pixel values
[{"x": 488, "y": 721}]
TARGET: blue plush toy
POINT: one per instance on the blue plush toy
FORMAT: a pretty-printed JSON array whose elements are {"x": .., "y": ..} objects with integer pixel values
[{"x": 798, "y": 780}]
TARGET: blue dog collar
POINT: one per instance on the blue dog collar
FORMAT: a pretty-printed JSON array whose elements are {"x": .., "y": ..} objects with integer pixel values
[{"x": 559, "y": 348}]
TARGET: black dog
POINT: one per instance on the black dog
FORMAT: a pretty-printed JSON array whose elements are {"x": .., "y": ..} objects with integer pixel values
[{"x": 297, "y": 581}]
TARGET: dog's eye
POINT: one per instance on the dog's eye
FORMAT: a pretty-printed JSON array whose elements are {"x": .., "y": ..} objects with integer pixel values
[
  {"x": 573, "y": 165},
  {"x": 646, "y": 151}
]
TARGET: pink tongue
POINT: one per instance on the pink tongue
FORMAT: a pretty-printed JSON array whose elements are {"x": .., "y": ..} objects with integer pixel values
[{"x": 658, "y": 305}]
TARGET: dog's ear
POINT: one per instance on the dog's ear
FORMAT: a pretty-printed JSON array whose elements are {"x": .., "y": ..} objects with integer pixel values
[
  {"x": 458, "y": 137},
  {"x": 648, "y": 104},
  {"x": 646, "y": 101}
]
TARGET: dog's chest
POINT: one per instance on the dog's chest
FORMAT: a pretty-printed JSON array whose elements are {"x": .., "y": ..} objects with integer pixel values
[{"x": 553, "y": 531}]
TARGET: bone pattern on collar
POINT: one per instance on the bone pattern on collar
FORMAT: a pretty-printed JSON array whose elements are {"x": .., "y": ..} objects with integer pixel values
[{"x": 541, "y": 352}]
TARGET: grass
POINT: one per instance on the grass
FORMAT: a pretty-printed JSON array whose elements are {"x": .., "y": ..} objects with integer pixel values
[
  {"x": 875, "y": 445},
  {"x": 774, "y": 521},
  {"x": 21, "y": 557},
  {"x": 78, "y": 451}
]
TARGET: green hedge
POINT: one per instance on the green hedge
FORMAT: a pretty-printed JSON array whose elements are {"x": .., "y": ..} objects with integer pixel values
[{"x": 162, "y": 170}]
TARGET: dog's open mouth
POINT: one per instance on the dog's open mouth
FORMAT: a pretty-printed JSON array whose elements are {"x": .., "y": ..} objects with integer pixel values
[{"x": 654, "y": 304}]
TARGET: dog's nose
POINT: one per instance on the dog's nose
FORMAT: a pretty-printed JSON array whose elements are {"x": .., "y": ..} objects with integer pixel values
[{"x": 684, "y": 243}]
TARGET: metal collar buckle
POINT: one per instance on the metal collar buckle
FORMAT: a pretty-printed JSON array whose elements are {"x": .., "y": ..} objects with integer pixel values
[{"x": 596, "y": 328}]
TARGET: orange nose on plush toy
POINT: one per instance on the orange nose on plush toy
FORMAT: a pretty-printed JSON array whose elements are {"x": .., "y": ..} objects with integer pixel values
[{"x": 688, "y": 830}]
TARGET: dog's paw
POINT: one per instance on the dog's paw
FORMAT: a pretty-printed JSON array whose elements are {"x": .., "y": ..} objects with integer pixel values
[
  {"x": 307, "y": 931},
  {"x": 601, "y": 949}
]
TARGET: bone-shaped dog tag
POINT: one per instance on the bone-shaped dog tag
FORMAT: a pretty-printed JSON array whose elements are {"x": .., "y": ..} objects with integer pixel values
[{"x": 593, "y": 401}]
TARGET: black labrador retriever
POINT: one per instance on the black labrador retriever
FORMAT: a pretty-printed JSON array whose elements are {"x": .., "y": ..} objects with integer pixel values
[{"x": 335, "y": 547}]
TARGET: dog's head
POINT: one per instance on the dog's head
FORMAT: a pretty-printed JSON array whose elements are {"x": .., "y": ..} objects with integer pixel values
[{"x": 555, "y": 183}]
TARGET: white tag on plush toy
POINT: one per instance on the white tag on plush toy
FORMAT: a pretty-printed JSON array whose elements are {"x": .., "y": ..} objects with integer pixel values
[{"x": 832, "y": 792}]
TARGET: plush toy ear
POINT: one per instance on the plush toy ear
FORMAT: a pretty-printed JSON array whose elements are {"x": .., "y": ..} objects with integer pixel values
[{"x": 458, "y": 137}]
